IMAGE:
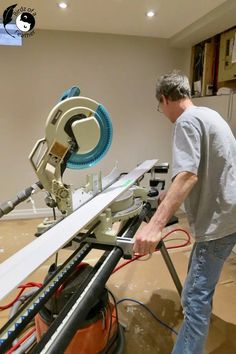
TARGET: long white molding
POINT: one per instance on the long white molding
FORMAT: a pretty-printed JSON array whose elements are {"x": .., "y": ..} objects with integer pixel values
[{"x": 18, "y": 267}]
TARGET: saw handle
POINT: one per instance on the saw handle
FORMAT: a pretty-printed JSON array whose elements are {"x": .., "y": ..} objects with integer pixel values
[{"x": 39, "y": 144}]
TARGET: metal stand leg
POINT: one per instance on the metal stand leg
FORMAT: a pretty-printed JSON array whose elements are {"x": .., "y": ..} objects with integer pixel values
[{"x": 161, "y": 246}]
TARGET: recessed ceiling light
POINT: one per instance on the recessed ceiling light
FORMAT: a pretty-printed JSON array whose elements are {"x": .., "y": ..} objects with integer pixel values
[
  {"x": 150, "y": 13},
  {"x": 63, "y": 5}
]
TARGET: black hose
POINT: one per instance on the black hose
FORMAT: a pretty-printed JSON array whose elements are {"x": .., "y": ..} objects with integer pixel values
[
  {"x": 120, "y": 343},
  {"x": 117, "y": 343}
]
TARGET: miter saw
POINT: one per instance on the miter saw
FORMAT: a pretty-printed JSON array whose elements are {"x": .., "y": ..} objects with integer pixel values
[{"x": 78, "y": 134}]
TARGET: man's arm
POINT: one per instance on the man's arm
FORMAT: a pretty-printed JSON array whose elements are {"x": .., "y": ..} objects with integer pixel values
[{"x": 149, "y": 236}]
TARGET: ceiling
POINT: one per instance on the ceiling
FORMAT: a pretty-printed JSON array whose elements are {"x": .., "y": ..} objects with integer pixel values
[{"x": 182, "y": 21}]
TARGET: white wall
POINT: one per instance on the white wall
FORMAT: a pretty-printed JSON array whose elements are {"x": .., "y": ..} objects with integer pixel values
[{"x": 118, "y": 71}]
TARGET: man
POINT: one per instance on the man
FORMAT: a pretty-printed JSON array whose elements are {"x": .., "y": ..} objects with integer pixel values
[{"x": 204, "y": 178}]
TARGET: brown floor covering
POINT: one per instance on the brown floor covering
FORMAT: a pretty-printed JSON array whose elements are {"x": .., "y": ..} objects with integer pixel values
[{"x": 147, "y": 281}]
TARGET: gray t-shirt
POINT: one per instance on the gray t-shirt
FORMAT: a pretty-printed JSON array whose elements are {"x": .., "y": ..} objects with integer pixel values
[{"x": 204, "y": 144}]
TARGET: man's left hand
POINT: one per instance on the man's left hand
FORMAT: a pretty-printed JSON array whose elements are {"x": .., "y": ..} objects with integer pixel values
[{"x": 146, "y": 240}]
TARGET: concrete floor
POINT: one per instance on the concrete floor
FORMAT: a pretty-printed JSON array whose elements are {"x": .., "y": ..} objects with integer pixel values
[{"x": 148, "y": 281}]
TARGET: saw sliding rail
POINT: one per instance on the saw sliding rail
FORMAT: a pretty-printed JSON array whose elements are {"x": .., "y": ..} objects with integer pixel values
[
  {"x": 27, "y": 312},
  {"x": 18, "y": 267}
]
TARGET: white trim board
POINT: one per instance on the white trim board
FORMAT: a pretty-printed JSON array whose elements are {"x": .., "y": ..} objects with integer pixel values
[{"x": 18, "y": 267}]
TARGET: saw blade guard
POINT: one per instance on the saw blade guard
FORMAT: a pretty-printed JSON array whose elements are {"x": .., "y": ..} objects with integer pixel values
[
  {"x": 84, "y": 160},
  {"x": 75, "y": 114}
]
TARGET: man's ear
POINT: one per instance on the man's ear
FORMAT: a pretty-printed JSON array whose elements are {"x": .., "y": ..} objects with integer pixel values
[{"x": 164, "y": 99}]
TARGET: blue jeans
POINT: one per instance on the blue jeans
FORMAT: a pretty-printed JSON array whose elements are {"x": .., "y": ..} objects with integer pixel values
[{"x": 204, "y": 271}]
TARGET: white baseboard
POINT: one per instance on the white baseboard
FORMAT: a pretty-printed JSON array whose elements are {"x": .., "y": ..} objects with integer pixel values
[{"x": 28, "y": 214}]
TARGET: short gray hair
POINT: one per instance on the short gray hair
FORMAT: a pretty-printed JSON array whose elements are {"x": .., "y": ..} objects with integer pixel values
[{"x": 174, "y": 86}]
